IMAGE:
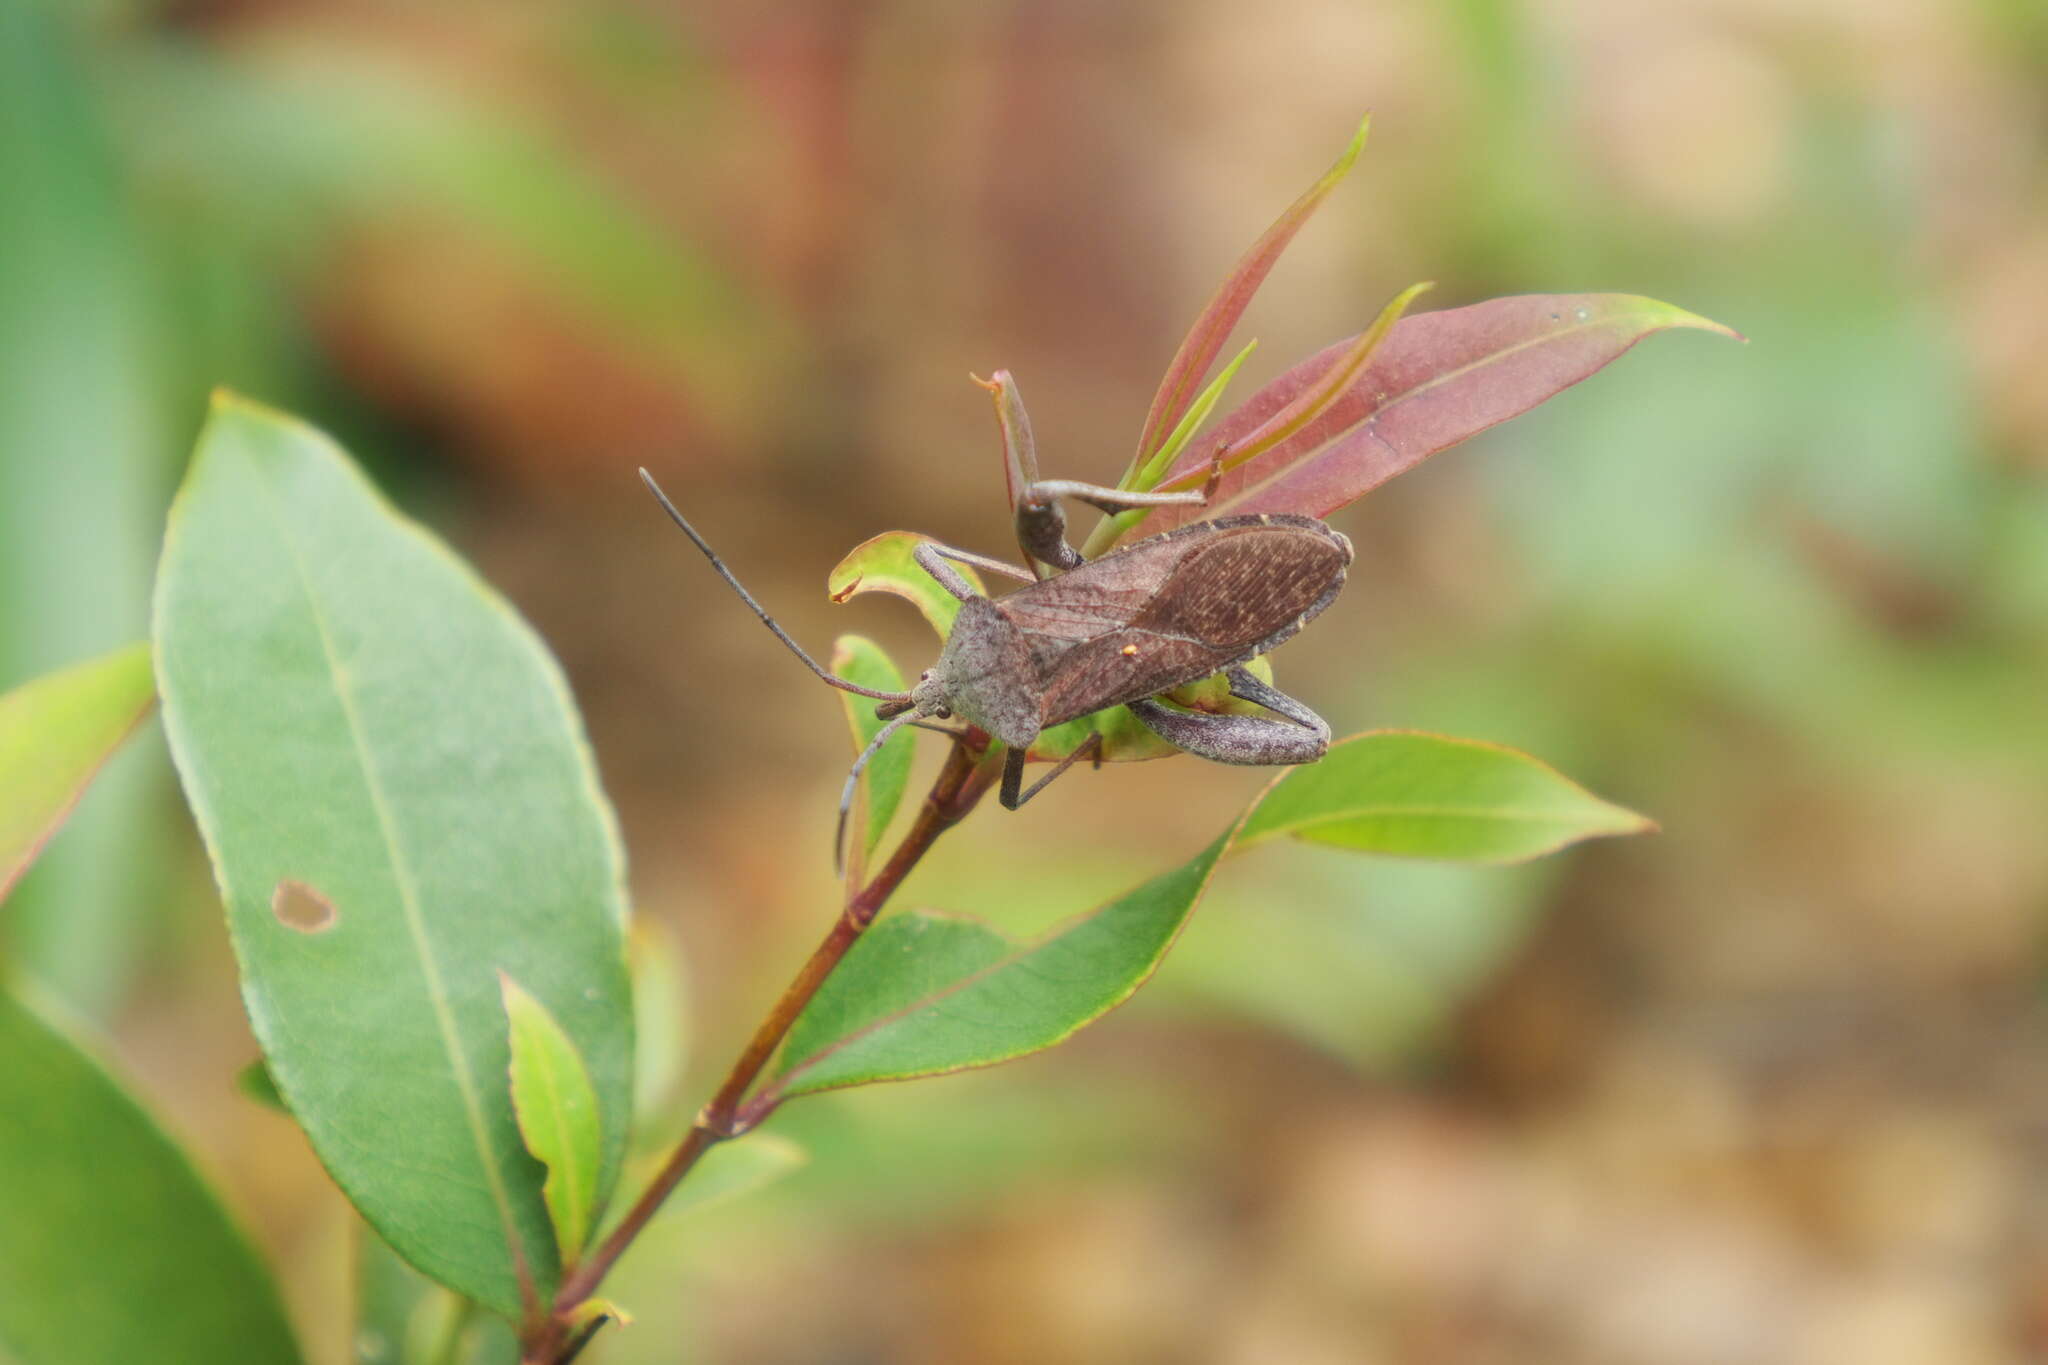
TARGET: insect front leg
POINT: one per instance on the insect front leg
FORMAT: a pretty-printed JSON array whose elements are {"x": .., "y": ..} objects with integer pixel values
[
  {"x": 1303, "y": 737},
  {"x": 1042, "y": 524},
  {"x": 1013, "y": 771},
  {"x": 932, "y": 556}
]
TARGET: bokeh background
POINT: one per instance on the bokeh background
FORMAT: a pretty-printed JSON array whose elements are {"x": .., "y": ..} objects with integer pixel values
[{"x": 1770, "y": 1086}]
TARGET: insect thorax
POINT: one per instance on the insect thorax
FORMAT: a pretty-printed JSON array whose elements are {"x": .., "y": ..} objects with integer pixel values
[{"x": 986, "y": 674}]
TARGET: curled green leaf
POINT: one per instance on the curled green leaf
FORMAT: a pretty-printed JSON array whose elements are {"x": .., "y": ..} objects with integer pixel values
[{"x": 884, "y": 563}]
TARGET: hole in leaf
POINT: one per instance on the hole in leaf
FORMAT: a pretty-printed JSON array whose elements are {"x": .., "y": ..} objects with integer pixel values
[{"x": 298, "y": 906}]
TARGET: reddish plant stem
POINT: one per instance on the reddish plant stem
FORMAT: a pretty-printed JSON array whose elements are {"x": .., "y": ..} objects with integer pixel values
[{"x": 960, "y": 784}]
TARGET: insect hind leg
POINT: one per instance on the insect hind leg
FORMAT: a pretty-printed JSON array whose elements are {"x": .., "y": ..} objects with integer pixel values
[{"x": 1303, "y": 737}]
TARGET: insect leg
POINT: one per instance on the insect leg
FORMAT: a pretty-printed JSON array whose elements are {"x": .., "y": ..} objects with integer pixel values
[
  {"x": 1042, "y": 524},
  {"x": 930, "y": 556},
  {"x": 1013, "y": 771},
  {"x": 1246, "y": 686},
  {"x": 1302, "y": 738},
  {"x": 934, "y": 563}
]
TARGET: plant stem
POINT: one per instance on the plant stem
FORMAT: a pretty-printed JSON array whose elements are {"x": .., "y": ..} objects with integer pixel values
[{"x": 966, "y": 777}]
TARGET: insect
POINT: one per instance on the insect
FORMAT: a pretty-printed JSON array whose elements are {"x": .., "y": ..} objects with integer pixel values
[{"x": 1172, "y": 609}]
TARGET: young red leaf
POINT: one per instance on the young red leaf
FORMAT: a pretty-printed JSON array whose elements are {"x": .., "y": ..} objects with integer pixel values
[
  {"x": 1020, "y": 450},
  {"x": 1212, "y": 329},
  {"x": 1439, "y": 378}
]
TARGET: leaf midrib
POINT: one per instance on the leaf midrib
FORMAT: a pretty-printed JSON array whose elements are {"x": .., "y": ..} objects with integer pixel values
[{"x": 401, "y": 868}]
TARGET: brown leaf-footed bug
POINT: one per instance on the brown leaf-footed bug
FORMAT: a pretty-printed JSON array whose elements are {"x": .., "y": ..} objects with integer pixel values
[{"x": 1146, "y": 618}]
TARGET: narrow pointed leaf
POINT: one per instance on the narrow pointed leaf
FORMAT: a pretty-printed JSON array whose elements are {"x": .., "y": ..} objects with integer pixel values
[
  {"x": 399, "y": 802},
  {"x": 923, "y": 994},
  {"x": 55, "y": 732},
  {"x": 557, "y": 1112},
  {"x": 1311, "y": 402},
  {"x": 884, "y": 564},
  {"x": 1438, "y": 379},
  {"x": 861, "y": 660},
  {"x": 1020, "y": 447},
  {"x": 1430, "y": 796},
  {"x": 1213, "y": 328},
  {"x": 1197, "y": 413},
  {"x": 112, "y": 1248}
]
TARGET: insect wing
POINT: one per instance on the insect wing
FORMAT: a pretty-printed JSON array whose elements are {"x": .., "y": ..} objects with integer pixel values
[
  {"x": 1094, "y": 600},
  {"x": 1234, "y": 590}
]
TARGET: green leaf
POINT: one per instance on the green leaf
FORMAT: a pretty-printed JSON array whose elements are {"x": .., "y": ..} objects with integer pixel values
[
  {"x": 1198, "y": 413},
  {"x": 111, "y": 1246},
  {"x": 399, "y": 803},
  {"x": 55, "y": 732},
  {"x": 884, "y": 564},
  {"x": 1430, "y": 796},
  {"x": 888, "y": 772},
  {"x": 923, "y": 994},
  {"x": 557, "y": 1110}
]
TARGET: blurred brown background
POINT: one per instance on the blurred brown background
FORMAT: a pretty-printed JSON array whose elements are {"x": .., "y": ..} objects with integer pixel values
[{"x": 1771, "y": 1086}]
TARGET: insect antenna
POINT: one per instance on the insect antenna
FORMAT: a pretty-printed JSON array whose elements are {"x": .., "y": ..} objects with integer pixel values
[
  {"x": 747, "y": 597},
  {"x": 853, "y": 778}
]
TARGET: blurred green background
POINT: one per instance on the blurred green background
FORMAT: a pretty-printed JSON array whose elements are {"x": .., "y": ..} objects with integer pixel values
[{"x": 1770, "y": 1086}]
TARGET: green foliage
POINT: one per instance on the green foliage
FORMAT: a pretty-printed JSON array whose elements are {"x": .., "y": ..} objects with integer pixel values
[
  {"x": 861, "y": 660},
  {"x": 924, "y": 994},
  {"x": 1154, "y": 469},
  {"x": 111, "y": 1246},
  {"x": 884, "y": 564},
  {"x": 557, "y": 1112},
  {"x": 55, "y": 732},
  {"x": 1205, "y": 340},
  {"x": 400, "y": 804},
  {"x": 1429, "y": 796}
]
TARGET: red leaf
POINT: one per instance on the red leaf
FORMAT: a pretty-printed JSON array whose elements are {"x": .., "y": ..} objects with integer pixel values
[
  {"x": 1438, "y": 378},
  {"x": 1212, "y": 329},
  {"x": 1020, "y": 451}
]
